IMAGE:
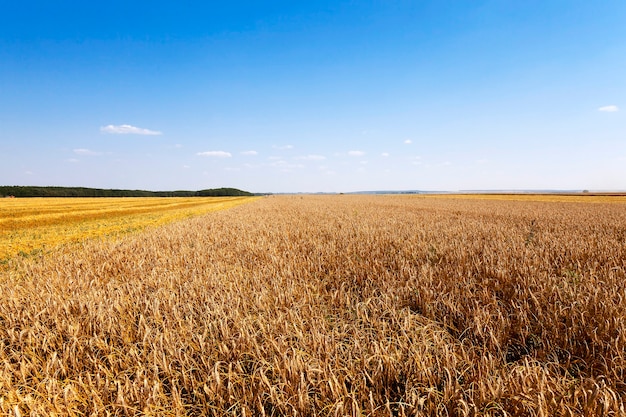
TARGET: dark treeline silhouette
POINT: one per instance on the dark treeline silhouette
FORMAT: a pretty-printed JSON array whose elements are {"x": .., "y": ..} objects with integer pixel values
[{"x": 27, "y": 191}]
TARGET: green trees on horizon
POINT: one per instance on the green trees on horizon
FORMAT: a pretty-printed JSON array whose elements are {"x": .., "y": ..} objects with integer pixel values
[{"x": 33, "y": 191}]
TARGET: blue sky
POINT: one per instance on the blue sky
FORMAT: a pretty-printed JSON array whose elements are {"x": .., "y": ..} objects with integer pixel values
[{"x": 289, "y": 96}]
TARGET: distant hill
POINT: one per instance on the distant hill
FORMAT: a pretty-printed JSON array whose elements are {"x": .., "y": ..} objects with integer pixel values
[{"x": 28, "y": 191}]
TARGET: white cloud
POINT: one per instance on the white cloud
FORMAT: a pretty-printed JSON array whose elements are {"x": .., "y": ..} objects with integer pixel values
[
  {"x": 249, "y": 153},
  {"x": 215, "y": 154},
  {"x": 312, "y": 158},
  {"x": 356, "y": 153},
  {"x": 385, "y": 154},
  {"x": 609, "y": 109},
  {"x": 128, "y": 129},
  {"x": 86, "y": 152},
  {"x": 408, "y": 141},
  {"x": 282, "y": 148}
]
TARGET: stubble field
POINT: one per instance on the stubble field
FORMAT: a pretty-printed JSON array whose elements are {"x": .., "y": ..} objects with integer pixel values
[
  {"x": 30, "y": 226},
  {"x": 328, "y": 305}
]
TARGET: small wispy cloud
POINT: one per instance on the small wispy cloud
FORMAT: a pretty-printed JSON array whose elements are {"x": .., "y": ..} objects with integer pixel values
[
  {"x": 283, "y": 147},
  {"x": 609, "y": 109},
  {"x": 356, "y": 153},
  {"x": 408, "y": 142},
  {"x": 128, "y": 130},
  {"x": 215, "y": 154},
  {"x": 384, "y": 154},
  {"x": 250, "y": 153},
  {"x": 86, "y": 152},
  {"x": 311, "y": 158}
]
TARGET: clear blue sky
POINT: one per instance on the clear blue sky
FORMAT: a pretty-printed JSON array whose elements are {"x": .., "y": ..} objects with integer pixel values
[{"x": 287, "y": 96}]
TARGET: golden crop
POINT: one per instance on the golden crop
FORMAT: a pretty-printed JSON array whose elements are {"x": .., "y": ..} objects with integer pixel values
[
  {"x": 328, "y": 305},
  {"x": 554, "y": 198},
  {"x": 29, "y": 225}
]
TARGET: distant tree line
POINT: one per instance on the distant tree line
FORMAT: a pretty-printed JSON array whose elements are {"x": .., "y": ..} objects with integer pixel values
[{"x": 27, "y": 191}]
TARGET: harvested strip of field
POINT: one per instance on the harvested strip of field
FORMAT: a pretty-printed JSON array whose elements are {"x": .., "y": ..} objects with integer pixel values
[
  {"x": 340, "y": 305},
  {"x": 28, "y": 226}
]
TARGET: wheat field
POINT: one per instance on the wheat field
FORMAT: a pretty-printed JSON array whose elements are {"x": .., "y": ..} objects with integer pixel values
[{"x": 325, "y": 306}]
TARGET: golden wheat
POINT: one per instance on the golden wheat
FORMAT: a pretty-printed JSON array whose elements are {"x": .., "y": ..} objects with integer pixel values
[
  {"x": 554, "y": 198},
  {"x": 328, "y": 305}
]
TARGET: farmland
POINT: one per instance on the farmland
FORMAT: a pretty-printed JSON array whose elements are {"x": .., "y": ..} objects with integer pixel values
[
  {"x": 328, "y": 305},
  {"x": 29, "y": 226}
]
